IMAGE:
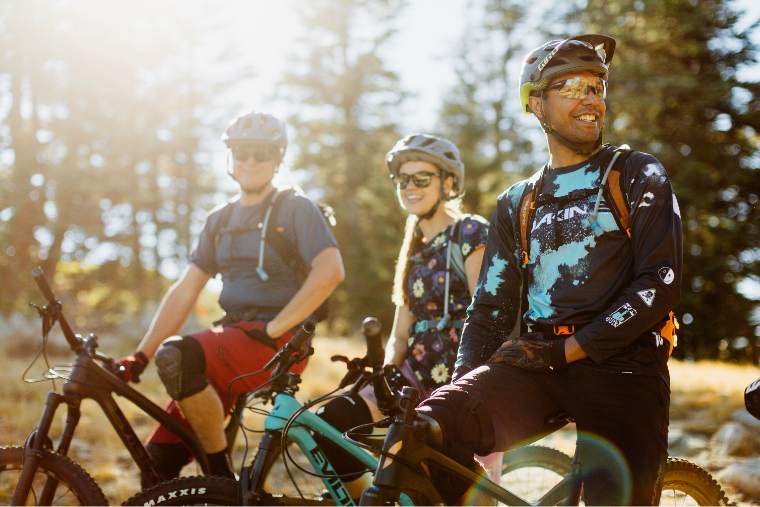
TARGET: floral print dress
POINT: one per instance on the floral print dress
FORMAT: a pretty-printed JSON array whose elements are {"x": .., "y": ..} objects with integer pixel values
[{"x": 432, "y": 354}]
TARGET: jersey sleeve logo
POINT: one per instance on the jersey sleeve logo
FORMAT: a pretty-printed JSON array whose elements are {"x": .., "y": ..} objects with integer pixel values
[
  {"x": 647, "y": 296},
  {"x": 621, "y": 315},
  {"x": 667, "y": 275}
]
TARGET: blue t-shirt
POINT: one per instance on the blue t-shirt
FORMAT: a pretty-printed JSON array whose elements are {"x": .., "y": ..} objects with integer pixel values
[{"x": 237, "y": 254}]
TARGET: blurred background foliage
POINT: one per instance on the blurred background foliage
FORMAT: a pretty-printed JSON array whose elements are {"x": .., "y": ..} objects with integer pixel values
[{"x": 111, "y": 114}]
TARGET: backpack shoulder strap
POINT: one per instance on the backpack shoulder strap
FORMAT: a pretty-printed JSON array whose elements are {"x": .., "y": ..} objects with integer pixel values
[
  {"x": 527, "y": 212},
  {"x": 278, "y": 240},
  {"x": 225, "y": 213},
  {"x": 457, "y": 258},
  {"x": 617, "y": 198}
]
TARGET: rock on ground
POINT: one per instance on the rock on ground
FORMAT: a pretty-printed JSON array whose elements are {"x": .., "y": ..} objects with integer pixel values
[
  {"x": 743, "y": 476},
  {"x": 733, "y": 439}
]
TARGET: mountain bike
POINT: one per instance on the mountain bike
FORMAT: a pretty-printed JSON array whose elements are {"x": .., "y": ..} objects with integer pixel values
[
  {"x": 405, "y": 458},
  {"x": 37, "y": 472},
  {"x": 288, "y": 419}
]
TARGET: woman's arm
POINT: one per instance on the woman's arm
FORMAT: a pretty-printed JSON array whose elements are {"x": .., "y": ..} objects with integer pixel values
[
  {"x": 472, "y": 267},
  {"x": 395, "y": 350}
]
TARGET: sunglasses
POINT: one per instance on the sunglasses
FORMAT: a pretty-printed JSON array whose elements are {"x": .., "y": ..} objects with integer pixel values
[
  {"x": 259, "y": 153},
  {"x": 579, "y": 86},
  {"x": 421, "y": 179}
]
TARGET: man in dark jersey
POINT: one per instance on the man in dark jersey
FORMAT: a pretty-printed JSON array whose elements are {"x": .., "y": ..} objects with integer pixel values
[
  {"x": 263, "y": 296},
  {"x": 597, "y": 299}
]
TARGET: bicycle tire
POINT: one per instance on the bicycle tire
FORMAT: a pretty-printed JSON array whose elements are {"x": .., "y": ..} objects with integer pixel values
[
  {"x": 684, "y": 480},
  {"x": 200, "y": 490},
  {"x": 81, "y": 489},
  {"x": 531, "y": 471}
]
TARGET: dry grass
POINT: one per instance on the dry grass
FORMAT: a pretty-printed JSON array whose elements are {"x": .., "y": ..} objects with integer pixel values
[{"x": 703, "y": 396}]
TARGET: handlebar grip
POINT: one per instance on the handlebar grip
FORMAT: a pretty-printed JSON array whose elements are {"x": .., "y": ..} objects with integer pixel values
[
  {"x": 371, "y": 328},
  {"x": 42, "y": 283},
  {"x": 301, "y": 336}
]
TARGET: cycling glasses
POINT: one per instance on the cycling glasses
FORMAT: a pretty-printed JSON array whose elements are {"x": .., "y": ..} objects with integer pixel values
[
  {"x": 421, "y": 179},
  {"x": 259, "y": 153},
  {"x": 578, "y": 87}
]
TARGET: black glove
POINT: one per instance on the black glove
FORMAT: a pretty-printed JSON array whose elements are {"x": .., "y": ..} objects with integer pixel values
[
  {"x": 261, "y": 336},
  {"x": 532, "y": 352},
  {"x": 133, "y": 365},
  {"x": 752, "y": 398}
]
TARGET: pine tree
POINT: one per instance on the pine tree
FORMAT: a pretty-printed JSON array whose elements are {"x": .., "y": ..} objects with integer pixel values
[
  {"x": 674, "y": 92},
  {"x": 345, "y": 98},
  {"x": 478, "y": 115}
]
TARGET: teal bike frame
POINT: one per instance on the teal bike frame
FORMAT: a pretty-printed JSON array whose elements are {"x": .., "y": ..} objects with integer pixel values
[{"x": 285, "y": 406}]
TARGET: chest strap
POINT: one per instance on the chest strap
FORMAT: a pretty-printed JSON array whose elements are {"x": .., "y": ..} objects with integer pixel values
[{"x": 422, "y": 326}]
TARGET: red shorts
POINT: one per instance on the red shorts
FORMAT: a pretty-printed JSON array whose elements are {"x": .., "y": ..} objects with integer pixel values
[{"x": 229, "y": 353}]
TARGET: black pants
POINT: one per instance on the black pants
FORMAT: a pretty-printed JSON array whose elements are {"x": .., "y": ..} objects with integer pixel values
[{"x": 622, "y": 423}]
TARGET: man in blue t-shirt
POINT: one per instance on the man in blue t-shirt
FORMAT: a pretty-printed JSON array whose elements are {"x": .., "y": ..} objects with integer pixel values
[
  {"x": 265, "y": 295},
  {"x": 596, "y": 295}
]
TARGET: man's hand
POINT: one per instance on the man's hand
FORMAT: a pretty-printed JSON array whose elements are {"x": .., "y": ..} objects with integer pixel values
[
  {"x": 261, "y": 335},
  {"x": 133, "y": 365},
  {"x": 532, "y": 352}
]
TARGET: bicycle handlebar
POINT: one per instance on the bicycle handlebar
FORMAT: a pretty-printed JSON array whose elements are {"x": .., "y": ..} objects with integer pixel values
[
  {"x": 371, "y": 328},
  {"x": 44, "y": 286},
  {"x": 42, "y": 283},
  {"x": 294, "y": 345}
]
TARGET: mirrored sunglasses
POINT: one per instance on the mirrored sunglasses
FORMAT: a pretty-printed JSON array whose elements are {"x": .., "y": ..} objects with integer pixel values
[
  {"x": 579, "y": 86},
  {"x": 421, "y": 179},
  {"x": 259, "y": 153}
]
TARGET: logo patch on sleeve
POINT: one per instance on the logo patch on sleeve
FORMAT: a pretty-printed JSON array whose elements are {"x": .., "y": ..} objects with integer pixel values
[
  {"x": 621, "y": 315},
  {"x": 647, "y": 296},
  {"x": 667, "y": 275}
]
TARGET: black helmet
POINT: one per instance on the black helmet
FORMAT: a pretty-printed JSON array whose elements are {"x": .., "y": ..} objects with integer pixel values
[
  {"x": 585, "y": 52},
  {"x": 257, "y": 128},
  {"x": 435, "y": 150}
]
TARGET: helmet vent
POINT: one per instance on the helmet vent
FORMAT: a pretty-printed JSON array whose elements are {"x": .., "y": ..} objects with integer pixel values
[
  {"x": 410, "y": 140},
  {"x": 557, "y": 61},
  {"x": 587, "y": 58},
  {"x": 427, "y": 142},
  {"x": 274, "y": 132},
  {"x": 248, "y": 123},
  {"x": 531, "y": 60},
  {"x": 450, "y": 155}
]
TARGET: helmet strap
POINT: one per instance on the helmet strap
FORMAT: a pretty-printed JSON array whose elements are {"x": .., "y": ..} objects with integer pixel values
[{"x": 577, "y": 149}]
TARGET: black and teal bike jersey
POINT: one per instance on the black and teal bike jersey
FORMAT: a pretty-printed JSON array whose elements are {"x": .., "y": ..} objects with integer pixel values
[{"x": 615, "y": 289}]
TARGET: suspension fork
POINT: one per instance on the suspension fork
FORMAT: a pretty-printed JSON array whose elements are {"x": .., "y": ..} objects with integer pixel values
[
  {"x": 33, "y": 450},
  {"x": 252, "y": 478}
]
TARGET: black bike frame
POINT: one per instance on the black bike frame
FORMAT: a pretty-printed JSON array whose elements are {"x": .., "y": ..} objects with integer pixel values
[
  {"x": 89, "y": 380},
  {"x": 399, "y": 468}
]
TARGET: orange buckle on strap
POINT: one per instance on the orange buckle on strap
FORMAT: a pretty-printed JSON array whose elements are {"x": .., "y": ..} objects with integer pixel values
[
  {"x": 558, "y": 330},
  {"x": 524, "y": 257}
]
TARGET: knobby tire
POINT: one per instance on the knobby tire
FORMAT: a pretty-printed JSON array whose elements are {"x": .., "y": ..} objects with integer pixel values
[
  {"x": 75, "y": 487},
  {"x": 684, "y": 479},
  {"x": 202, "y": 490}
]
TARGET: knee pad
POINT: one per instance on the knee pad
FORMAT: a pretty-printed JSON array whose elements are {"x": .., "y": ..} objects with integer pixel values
[
  {"x": 181, "y": 365},
  {"x": 344, "y": 413}
]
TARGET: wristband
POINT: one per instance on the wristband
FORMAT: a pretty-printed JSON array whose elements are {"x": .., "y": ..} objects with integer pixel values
[{"x": 141, "y": 357}]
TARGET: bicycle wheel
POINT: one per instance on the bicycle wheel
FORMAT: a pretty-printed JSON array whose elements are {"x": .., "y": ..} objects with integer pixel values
[
  {"x": 531, "y": 471},
  {"x": 75, "y": 486},
  {"x": 202, "y": 490},
  {"x": 687, "y": 484}
]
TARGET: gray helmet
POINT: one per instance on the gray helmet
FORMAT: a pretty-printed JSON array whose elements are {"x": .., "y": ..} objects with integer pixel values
[
  {"x": 585, "y": 52},
  {"x": 257, "y": 128},
  {"x": 435, "y": 150}
]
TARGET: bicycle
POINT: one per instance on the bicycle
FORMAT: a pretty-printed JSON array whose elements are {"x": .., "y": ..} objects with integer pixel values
[
  {"x": 400, "y": 471},
  {"x": 289, "y": 418},
  {"x": 41, "y": 469}
]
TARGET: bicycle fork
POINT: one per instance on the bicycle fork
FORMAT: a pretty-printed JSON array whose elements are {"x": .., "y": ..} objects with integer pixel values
[
  {"x": 35, "y": 446},
  {"x": 252, "y": 477}
]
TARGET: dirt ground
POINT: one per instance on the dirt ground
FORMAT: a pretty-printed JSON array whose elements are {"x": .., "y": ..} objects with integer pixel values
[{"x": 703, "y": 396}]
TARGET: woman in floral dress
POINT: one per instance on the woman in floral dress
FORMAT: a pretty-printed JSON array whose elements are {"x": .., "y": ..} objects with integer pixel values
[
  {"x": 429, "y": 176},
  {"x": 425, "y": 354}
]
